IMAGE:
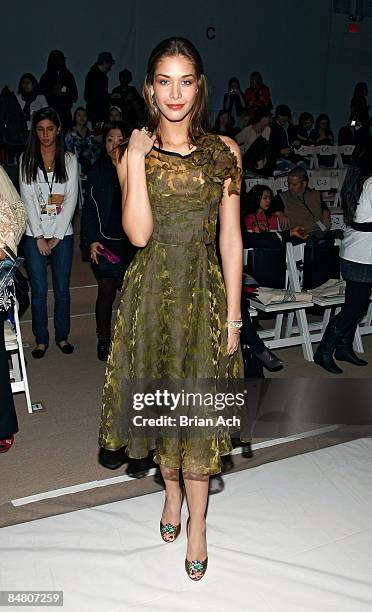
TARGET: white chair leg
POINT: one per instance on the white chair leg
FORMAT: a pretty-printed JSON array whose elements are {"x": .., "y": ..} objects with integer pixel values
[
  {"x": 278, "y": 326},
  {"x": 366, "y": 322},
  {"x": 16, "y": 372},
  {"x": 358, "y": 344},
  {"x": 22, "y": 361},
  {"x": 289, "y": 325},
  {"x": 304, "y": 329}
]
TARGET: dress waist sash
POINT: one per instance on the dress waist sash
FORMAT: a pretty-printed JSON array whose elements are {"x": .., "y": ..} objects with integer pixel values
[{"x": 361, "y": 227}]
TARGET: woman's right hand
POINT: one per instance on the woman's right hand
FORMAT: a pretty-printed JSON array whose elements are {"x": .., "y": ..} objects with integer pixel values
[
  {"x": 141, "y": 142},
  {"x": 2, "y": 254},
  {"x": 95, "y": 248},
  {"x": 43, "y": 246},
  {"x": 299, "y": 232}
]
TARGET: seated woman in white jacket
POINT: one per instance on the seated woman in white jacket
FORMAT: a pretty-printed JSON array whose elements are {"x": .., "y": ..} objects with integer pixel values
[
  {"x": 12, "y": 225},
  {"x": 356, "y": 264},
  {"x": 49, "y": 190}
]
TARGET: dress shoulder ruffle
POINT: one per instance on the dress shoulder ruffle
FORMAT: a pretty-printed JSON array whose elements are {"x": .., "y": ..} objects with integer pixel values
[{"x": 218, "y": 162}]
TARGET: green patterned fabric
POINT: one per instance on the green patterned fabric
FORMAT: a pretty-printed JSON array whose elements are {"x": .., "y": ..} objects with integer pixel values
[{"x": 171, "y": 321}]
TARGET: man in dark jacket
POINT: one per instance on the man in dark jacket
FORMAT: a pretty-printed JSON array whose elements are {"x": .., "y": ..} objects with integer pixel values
[
  {"x": 96, "y": 89},
  {"x": 279, "y": 137}
]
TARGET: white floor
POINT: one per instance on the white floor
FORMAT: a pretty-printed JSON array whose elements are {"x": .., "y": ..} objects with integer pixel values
[{"x": 289, "y": 536}]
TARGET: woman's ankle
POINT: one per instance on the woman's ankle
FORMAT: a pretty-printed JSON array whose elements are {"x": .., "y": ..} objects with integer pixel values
[
  {"x": 173, "y": 496},
  {"x": 198, "y": 523}
]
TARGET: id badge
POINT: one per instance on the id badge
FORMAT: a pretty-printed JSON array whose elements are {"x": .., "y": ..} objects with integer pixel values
[{"x": 54, "y": 205}]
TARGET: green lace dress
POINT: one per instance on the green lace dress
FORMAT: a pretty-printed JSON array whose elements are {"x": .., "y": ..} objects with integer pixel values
[{"x": 172, "y": 315}]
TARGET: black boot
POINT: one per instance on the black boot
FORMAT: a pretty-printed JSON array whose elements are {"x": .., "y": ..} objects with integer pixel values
[
  {"x": 103, "y": 347},
  {"x": 345, "y": 352},
  {"x": 269, "y": 360},
  {"x": 112, "y": 459},
  {"x": 324, "y": 353}
]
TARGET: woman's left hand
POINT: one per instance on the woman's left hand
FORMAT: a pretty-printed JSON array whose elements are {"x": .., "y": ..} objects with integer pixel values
[
  {"x": 53, "y": 242},
  {"x": 233, "y": 340}
]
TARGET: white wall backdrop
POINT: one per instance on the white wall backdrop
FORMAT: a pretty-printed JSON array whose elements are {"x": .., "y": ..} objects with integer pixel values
[{"x": 304, "y": 51}]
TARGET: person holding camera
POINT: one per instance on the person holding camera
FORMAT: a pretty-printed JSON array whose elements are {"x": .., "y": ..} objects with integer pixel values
[{"x": 233, "y": 102}]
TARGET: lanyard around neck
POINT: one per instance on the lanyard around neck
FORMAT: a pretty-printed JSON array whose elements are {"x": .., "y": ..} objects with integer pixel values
[{"x": 50, "y": 185}]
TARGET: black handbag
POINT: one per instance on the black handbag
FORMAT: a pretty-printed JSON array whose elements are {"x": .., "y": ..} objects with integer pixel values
[
  {"x": 267, "y": 265},
  {"x": 321, "y": 261},
  {"x": 8, "y": 270},
  {"x": 22, "y": 291}
]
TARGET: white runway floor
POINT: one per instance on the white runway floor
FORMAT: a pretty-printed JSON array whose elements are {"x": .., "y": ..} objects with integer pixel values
[{"x": 289, "y": 536}]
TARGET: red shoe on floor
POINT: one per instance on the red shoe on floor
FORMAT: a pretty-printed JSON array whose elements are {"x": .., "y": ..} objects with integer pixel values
[{"x": 6, "y": 444}]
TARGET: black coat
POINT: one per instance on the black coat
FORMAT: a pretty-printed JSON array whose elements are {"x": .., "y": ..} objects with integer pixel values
[
  {"x": 96, "y": 95},
  {"x": 278, "y": 138},
  {"x": 101, "y": 213},
  {"x": 60, "y": 90}
]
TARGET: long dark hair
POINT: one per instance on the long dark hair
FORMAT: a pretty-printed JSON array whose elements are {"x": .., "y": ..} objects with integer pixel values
[
  {"x": 32, "y": 159},
  {"x": 79, "y": 108},
  {"x": 234, "y": 80},
  {"x": 358, "y": 172},
  {"x": 56, "y": 61},
  {"x": 256, "y": 76},
  {"x": 254, "y": 197},
  {"x": 113, "y": 125},
  {"x": 323, "y": 117},
  {"x": 198, "y": 125}
]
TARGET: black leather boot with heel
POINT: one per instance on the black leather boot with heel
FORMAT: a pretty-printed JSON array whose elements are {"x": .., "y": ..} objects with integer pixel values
[
  {"x": 324, "y": 353},
  {"x": 345, "y": 352},
  {"x": 103, "y": 347}
]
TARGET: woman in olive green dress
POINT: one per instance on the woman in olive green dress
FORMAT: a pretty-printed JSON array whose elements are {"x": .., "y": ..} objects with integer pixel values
[{"x": 178, "y": 317}]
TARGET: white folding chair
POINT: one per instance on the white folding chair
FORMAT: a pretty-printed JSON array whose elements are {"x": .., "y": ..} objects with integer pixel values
[
  {"x": 251, "y": 182},
  {"x": 82, "y": 181},
  {"x": 17, "y": 371},
  {"x": 274, "y": 337},
  {"x": 308, "y": 153},
  {"x": 365, "y": 326},
  {"x": 337, "y": 180},
  {"x": 280, "y": 183},
  {"x": 316, "y": 329},
  {"x": 319, "y": 180},
  {"x": 345, "y": 151},
  {"x": 327, "y": 151},
  {"x": 337, "y": 220}
]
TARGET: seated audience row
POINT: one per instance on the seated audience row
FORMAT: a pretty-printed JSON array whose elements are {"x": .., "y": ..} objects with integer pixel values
[{"x": 299, "y": 206}]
